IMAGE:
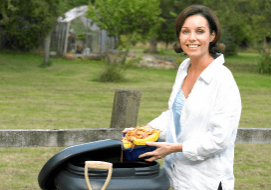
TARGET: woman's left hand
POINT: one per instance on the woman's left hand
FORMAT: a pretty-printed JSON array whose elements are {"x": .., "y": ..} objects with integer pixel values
[{"x": 163, "y": 149}]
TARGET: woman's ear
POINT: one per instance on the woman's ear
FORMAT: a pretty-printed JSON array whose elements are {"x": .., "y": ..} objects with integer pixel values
[{"x": 213, "y": 34}]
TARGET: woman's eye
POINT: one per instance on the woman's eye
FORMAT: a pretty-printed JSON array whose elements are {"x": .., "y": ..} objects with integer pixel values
[
  {"x": 185, "y": 32},
  {"x": 200, "y": 31}
]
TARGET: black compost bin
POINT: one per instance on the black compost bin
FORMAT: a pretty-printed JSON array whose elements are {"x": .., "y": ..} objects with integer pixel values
[{"x": 65, "y": 170}]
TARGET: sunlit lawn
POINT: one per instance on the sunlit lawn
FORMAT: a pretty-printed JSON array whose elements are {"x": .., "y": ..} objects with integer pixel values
[{"x": 65, "y": 95}]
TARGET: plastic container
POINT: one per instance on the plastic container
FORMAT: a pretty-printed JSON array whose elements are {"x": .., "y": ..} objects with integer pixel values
[
  {"x": 67, "y": 170},
  {"x": 133, "y": 153}
]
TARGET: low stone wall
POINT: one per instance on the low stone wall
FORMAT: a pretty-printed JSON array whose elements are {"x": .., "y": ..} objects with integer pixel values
[
  {"x": 158, "y": 62},
  {"x": 145, "y": 61},
  {"x": 91, "y": 56},
  {"x": 116, "y": 57},
  {"x": 253, "y": 136},
  {"x": 55, "y": 138},
  {"x": 71, "y": 137}
]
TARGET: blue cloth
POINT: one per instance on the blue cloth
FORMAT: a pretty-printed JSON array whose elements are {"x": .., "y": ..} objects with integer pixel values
[{"x": 177, "y": 108}]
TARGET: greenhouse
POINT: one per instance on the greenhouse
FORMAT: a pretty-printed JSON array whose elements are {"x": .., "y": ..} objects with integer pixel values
[{"x": 75, "y": 34}]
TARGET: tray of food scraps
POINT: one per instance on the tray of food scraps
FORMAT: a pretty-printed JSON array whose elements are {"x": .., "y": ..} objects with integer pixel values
[{"x": 134, "y": 141}]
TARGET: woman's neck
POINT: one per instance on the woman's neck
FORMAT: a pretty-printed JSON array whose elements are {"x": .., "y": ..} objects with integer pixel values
[{"x": 197, "y": 65}]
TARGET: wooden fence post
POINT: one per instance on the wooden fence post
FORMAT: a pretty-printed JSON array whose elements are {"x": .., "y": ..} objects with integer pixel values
[{"x": 125, "y": 108}]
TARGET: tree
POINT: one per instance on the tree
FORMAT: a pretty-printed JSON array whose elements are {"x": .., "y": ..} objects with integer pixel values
[
  {"x": 134, "y": 19},
  {"x": 166, "y": 32},
  {"x": 260, "y": 24},
  {"x": 259, "y": 19},
  {"x": 25, "y": 23},
  {"x": 242, "y": 20},
  {"x": 128, "y": 21}
]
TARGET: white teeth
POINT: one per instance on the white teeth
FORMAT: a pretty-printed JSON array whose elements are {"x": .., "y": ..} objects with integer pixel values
[{"x": 193, "y": 46}]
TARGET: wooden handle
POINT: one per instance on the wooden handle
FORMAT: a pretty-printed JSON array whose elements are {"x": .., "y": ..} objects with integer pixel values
[{"x": 98, "y": 165}]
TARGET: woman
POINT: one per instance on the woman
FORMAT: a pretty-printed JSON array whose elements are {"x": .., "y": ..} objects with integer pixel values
[{"x": 201, "y": 123}]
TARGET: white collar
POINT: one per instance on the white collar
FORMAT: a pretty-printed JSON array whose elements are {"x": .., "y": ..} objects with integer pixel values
[{"x": 208, "y": 72}]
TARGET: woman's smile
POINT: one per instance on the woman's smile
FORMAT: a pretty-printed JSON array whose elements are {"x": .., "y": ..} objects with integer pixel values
[{"x": 193, "y": 45}]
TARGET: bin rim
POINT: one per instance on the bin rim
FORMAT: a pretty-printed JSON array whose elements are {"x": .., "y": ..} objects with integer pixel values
[{"x": 55, "y": 163}]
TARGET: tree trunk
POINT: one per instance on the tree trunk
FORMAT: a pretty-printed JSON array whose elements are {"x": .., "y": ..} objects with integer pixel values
[
  {"x": 47, "y": 49},
  {"x": 153, "y": 45},
  {"x": 264, "y": 42},
  {"x": 167, "y": 45},
  {"x": 2, "y": 41},
  {"x": 3, "y": 12},
  {"x": 116, "y": 42}
]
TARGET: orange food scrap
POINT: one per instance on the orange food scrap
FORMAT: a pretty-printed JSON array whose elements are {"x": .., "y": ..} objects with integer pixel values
[{"x": 143, "y": 132}]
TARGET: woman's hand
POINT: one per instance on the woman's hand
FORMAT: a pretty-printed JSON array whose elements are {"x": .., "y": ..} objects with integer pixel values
[{"x": 163, "y": 149}]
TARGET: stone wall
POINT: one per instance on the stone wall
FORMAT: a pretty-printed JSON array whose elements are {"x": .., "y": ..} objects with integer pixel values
[
  {"x": 116, "y": 57},
  {"x": 71, "y": 137},
  {"x": 157, "y": 62}
]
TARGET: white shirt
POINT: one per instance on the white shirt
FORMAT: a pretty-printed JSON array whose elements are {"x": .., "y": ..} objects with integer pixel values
[{"x": 209, "y": 121}]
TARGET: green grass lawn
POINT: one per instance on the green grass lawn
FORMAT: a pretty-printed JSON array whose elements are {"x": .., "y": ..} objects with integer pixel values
[{"x": 66, "y": 95}]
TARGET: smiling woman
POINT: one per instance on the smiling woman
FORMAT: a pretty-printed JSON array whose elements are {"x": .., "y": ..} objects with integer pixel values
[{"x": 204, "y": 109}]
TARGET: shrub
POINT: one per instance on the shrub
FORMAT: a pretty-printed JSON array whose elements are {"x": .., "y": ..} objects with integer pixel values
[
  {"x": 264, "y": 60},
  {"x": 112, "y": 73}
]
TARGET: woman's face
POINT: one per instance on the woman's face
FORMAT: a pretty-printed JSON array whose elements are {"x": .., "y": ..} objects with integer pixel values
[{"x": 195, "y": 36}]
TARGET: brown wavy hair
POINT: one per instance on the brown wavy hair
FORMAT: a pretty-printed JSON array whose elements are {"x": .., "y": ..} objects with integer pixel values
[{"x": 214, "y": 26}]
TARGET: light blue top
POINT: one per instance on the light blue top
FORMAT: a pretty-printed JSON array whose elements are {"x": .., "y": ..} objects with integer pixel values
[{"x": 177, "y": 108}]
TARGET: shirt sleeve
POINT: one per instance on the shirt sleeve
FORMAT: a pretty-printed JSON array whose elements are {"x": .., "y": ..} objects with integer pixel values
[
  {"x": 223, "y": 121},
  {"x": 161, "y": 123}
]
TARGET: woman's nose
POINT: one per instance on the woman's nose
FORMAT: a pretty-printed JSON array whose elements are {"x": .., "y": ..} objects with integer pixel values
[{"x": 192, "y": 36}]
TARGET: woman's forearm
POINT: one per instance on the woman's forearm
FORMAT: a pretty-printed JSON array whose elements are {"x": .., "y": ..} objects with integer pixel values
[{"x": 176, "y": 147}]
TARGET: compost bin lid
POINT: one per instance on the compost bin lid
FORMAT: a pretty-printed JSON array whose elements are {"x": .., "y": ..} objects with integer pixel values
[{"x": 110, "y": 149}]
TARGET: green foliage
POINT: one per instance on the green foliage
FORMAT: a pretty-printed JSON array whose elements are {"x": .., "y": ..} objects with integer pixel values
[
  {"x": 258, "y": 27},
  {"x": 112, "y": 73},
  {"x": 232, "y": 21},
  {"x": 169, "y": 12},
  {"x": 136, "y": 20},
  {"x": 129, "y": 21},
  {"x": 242, "y": 21},
  {"x": 81, "y": 36},
  {"x": 258, "y": 14},
  {"x": 123, "y": 42},
  {"x": 29, "y": 21},
  {"x": 228, "y": 38},
  {"x": 264, "y": 60},
  {"x": 115, "y": 67}
]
